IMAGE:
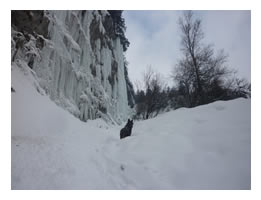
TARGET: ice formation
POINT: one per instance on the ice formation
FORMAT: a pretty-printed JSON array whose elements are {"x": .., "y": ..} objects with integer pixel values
[{"x": 77, "y": 60}]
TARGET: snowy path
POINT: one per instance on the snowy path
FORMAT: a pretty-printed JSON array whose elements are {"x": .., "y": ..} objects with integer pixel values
[{"x": 207, "y": 147}]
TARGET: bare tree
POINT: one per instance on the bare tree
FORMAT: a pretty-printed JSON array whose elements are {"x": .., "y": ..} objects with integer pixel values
[
  {"x": 151, "y": 99},
  {"x": 199, "y": 67},
  {"x": 237, "y": 87},
  {"x": 183, "y": 75}
]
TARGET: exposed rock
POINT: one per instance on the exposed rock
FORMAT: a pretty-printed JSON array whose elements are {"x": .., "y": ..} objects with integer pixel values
[{"x": 30, "y": 21}]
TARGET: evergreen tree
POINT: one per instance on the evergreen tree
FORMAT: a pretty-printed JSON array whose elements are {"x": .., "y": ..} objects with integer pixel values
[{"x": 119, "y": 27}]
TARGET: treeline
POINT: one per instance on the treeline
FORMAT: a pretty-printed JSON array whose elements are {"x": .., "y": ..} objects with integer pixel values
[
  {"x": 200, "y": 76},
  {"x": 156, "y": 97}
]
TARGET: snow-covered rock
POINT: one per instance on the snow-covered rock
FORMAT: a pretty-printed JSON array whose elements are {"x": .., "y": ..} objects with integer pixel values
[{"x": 77, "y": 59}]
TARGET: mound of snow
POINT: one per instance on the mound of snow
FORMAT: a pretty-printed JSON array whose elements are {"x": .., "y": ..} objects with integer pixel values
[{"x": 207, "y": 147}]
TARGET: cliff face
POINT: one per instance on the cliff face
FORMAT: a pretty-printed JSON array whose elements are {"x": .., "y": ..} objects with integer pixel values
[{"x": 77, "y": 58}]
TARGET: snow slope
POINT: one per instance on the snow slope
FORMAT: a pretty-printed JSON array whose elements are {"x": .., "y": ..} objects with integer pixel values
[{"x": 207, "y": 147}]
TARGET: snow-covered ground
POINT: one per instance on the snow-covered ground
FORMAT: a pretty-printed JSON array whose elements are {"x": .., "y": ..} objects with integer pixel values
[{"x": 207, "y": 147}]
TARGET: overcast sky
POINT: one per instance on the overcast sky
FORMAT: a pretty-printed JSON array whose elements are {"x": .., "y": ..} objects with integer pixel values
[{"x": 155, "y": 39}]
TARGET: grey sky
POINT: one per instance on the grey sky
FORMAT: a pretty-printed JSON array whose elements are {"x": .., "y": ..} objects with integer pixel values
[{"x": 155, "y": 39}]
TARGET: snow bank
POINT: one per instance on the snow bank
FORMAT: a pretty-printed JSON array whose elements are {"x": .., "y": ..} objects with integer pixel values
[{"x": 207, "y": 147}]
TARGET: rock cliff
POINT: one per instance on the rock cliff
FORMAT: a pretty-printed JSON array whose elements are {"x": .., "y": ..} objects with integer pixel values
[{"x": 77, "y": 59}]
